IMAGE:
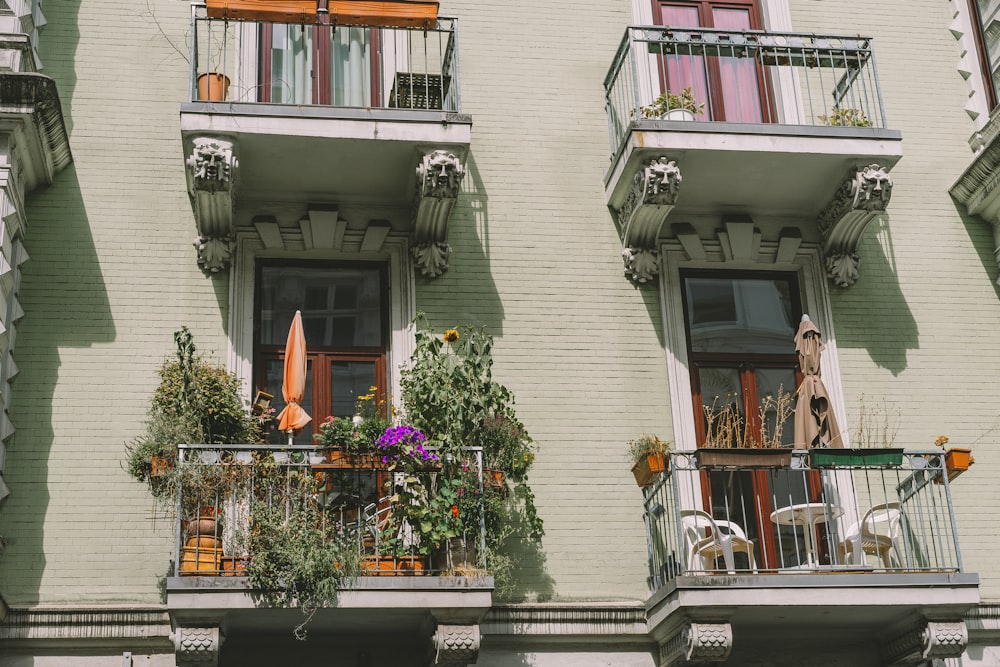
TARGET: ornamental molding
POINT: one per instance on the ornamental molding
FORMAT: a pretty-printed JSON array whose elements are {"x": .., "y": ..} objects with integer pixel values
[
  {"x": 30, "y": 106},
  {"x": 930, "y": 640},
  {"x": 439, "y": 179},
  {"x": 565, "y": 619},
  {"x": 859, "y": 200},
  {"x": 211, "y": 176},
  {"x": 653, "y": 195},
  {"x": 456, "y": 645},
  {"x": 197, "y": 647},
  {"x": 697, "y": 642},
  {"x": 977, "y": 189},
  {"x": 83, "y": 625}
]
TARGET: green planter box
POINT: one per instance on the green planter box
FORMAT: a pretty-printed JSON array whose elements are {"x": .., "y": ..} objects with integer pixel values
[{"x": 864, "y": 458}]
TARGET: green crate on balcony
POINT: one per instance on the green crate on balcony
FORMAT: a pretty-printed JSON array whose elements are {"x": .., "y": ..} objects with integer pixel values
[{"x": 864, "y": 458}]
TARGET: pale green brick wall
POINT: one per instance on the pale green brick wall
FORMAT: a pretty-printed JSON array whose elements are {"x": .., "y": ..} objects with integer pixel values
[
  {"x": 920, "y": 327},
  {"x": 536, "y": 259},
  {"x": 112, "y": 275}
]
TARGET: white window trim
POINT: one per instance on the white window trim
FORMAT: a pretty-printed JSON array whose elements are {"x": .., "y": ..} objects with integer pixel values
[
  {"x": 402, "y": 301},
  {"x": 808, "y": 266}
]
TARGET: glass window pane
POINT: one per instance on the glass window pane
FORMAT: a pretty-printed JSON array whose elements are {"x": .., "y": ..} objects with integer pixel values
[
  {"x": 340, "y": 307},
  {"x": 775, "y": 389},
  {"x": 348, "y": 380},
  {"x": 740, "y": 315}
]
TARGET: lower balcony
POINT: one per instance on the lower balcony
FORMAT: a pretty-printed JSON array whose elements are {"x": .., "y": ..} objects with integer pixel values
[
  {"x": 816, "y": 554},
  {"x": 274, "y": 541}
]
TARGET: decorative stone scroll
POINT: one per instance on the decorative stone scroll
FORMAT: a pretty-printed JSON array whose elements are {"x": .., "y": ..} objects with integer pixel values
[
  {"x": 212, "y": 168},
  {"x": 860, "y": 199},
  {"x": 197, "y": 647},
  {"x": 698, "y": 642},
  {"x": 932, "y": 640},
  {"x": 439, "y": 178},
  {"x": 456, "y": 645},
  {"x": 655, "y": 186}
]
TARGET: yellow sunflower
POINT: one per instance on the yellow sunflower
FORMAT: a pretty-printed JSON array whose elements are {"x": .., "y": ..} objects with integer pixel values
[{"x": 451, "y": 335}]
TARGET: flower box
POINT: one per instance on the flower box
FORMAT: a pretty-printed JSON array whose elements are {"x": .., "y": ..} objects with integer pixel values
[
  {"x": 389, "y": 566},
  {"x": 384, "y": 13},
  {"x": 957, "y": 460},
  {"x": 740, "y": 458},
  {"x": 648, "y": 467},
  {"x": 858, "y": 458},
  {"x": 281, "y": 11}
]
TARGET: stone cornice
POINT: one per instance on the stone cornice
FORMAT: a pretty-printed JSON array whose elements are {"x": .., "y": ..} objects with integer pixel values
[
  {"x": 597, "y": 620},
  {"x": 32, "y": 100},
  {"x": 87, "y": 625}
]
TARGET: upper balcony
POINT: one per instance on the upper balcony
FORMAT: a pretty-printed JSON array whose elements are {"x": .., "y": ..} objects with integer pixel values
[
  {"x": 811, "y": 552},
  {"x": 776, "y": 125},
  {"x": 261, "y": 526},
  {"x": 301, "y": 114}
]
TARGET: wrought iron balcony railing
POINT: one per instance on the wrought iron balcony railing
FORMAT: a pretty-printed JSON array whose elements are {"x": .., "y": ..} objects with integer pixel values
[
  {"x": 743, "y": 77},
  {"x": 876, "y": 513},
  {"x": 324, "y": 65},
  {"x": 229, "y": 494}
]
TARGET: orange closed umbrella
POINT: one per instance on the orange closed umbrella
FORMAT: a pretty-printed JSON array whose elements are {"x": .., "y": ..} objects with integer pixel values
[{"x": 294, "y": 417}]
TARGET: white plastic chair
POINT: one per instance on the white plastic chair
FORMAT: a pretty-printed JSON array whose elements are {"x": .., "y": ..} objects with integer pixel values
[
  {"x": 878, "y": 533},
  {"x": 708, "y": 538}
]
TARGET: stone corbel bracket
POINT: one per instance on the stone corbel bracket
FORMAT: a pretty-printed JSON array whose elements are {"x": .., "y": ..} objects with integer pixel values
[
  {"x": 655, "y": 186},
  {"x": 933, "y": 640},
  {"x": 697, "y": 642},
  {"x": 197, "y": 647},
  {"x": 211, "y": 177},
  {"x": 978, "y": 189},
  {"x": 439, "y": 178},
  {"x": 861, "y": 198},
  {"x": 456, "y": 645}
]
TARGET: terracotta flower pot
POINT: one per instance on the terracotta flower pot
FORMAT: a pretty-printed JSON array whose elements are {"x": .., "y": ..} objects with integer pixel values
[
  {"x": 648, "y": 467},
  {"x": 213, "y": 86}
]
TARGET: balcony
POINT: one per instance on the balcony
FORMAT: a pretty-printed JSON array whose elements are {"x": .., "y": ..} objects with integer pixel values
[
  {"x": 242, "y": 506},
  {"x": 813, "y": 554},
  {"x": 783, "y": 126},
  {"x": 303, "y": 124}
]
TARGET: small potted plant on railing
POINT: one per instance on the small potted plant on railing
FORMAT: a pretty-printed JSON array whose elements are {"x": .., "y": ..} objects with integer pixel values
[
  {"x": 671, "y": 106},
  {"x": 730, "y": 441},
  {"x": 648, "y": 455},
  {"x": 956, "y": 459},
  {"x": 845, "y": 117}
]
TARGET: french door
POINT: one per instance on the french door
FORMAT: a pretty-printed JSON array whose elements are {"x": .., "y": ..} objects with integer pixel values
[
  {"x": 740, "y": 328},
  {"x": 320, "y": 64},
  {"x": 731, "y": 88}
]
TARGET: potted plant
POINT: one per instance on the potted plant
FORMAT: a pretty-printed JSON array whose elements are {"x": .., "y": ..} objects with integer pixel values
[
  {"x": 730, "y": 441},
  {"x": 648, "y": 455},
  {"x": 873, "y": 440},
  {"x": 956, "y": 459},
  {"x": 672, "y": 106},
  {"x": 845, "y": 117}
]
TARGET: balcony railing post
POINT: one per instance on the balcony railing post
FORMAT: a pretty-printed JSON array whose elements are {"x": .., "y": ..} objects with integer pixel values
[{"x": 194, "y": 50}]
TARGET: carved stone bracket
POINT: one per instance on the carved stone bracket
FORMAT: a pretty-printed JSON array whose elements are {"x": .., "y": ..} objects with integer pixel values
[
  {"x": 456, "y": 645},
  {"x": 439, "y": 177},
  {"x": 932, "y": 640},
  {"x": 212, "y": 168},
  {"x": 655, "y": 186},
  {"x": 197, "y": 647},
  {"x": 979, "y": 187},
  {"x": 698, "y": 642},
  {"x": 861, "y": 198}
]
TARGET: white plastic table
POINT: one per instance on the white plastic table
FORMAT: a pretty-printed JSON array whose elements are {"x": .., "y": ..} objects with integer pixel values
[{"x": 807, "y": 515}]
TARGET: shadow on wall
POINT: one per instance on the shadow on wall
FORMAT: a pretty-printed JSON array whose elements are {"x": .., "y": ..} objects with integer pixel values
[
  {"x": 465, "y": 293},
  {"x": 66, "y": 305},
  {"x": 981, "y": 235},
  {"x": 873, "y": 313}
]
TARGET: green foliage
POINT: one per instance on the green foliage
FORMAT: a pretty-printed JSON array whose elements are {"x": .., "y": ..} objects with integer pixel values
[
  {"x": 668, "y": 101},
  {"x": 195, "y": 403},
  {"x": 337, "y": 432},
  {"x": 506, "y": 445},
  {"x": 301, "y": 555},
  {"x": 845, "y": 118},
  {"x": 645, "y": 445}
]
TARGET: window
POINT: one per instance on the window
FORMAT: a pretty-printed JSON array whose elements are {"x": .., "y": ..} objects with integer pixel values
[
  {"x": 986, "y": 21},
  {"x": 732, "y": 89},
  {"x": 345, "y": 318}
]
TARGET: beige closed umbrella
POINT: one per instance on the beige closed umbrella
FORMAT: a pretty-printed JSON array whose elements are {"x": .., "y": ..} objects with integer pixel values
[{"x": 815, "y": 425}]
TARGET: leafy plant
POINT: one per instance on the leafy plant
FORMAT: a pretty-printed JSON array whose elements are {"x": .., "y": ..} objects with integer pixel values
[
  {"x": 196, "y": 402},
  {"x": 845, "y": 117},
  {"x": 337, "y": 432},
  {"x": 645, "y": 445},
  {"x": 668, "y": 101}
]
